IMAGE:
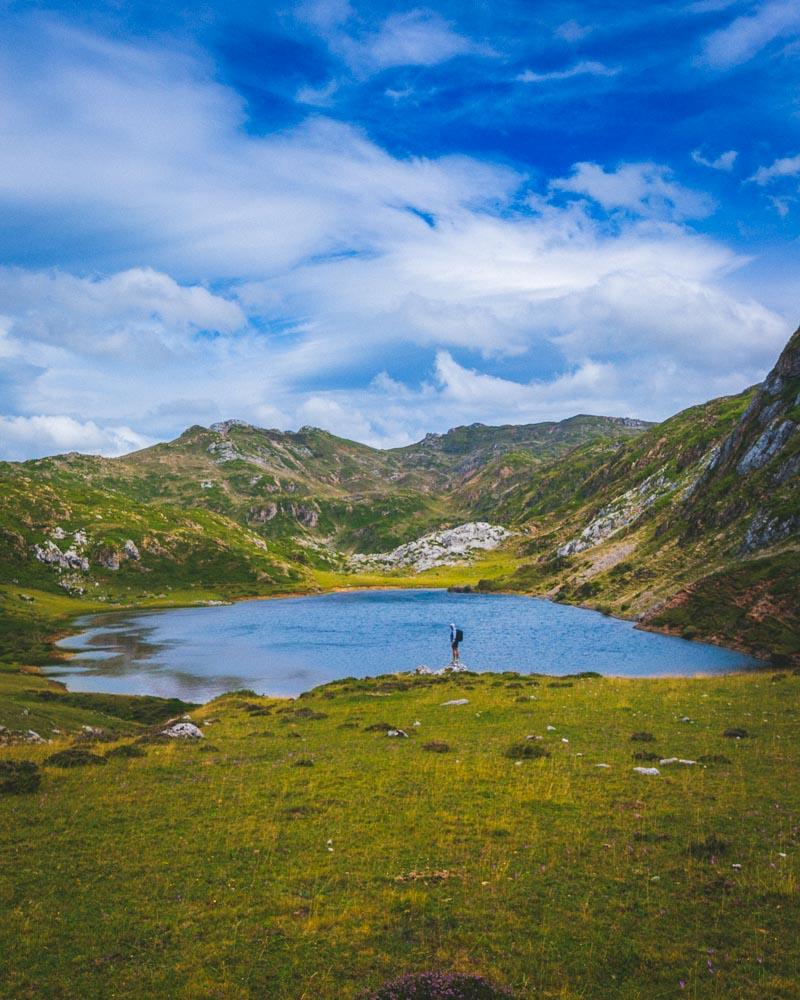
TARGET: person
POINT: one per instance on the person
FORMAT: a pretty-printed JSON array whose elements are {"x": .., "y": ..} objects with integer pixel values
[{"x": 455, "y": 638}]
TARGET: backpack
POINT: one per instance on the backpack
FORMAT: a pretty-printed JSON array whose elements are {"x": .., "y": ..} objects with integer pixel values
[{"x": 459, "y": 635}]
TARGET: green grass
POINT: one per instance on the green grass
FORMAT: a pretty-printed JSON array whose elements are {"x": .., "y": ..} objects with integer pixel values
[{"x": 200, "y": 872}]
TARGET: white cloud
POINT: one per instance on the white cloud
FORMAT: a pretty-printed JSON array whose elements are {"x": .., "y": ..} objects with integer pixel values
[
  {"x": 644, "y": 188},
  {"x": 787, "y": 166},
  {"x": 33, "y": 437},
  {"x": 418, "y": 37},
  {"x": 579, "y": 69},
  {"x": 313, "y": 254},
  {"x": 318, "y": 97},
  {"x": 744, "y": 37},
  {"x": 573, "y": 31},
  {"x": 724, "y": 161}
]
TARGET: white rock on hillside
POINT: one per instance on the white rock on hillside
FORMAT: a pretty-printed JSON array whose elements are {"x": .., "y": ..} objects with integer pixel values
[
  {"x": 441, "y": 548},
  {"x": 619, "y": 514}
]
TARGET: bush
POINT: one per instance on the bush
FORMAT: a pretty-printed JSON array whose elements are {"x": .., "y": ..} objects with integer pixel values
[
  {"x": 436, "y": 746},
  {"x": 643, "y": 738},
  {"x": 438, "y": 986},
  {"x": 73, "y": 757},
  {"x": 126, "y": 750},
  {"x": 529, "y": 750},
  {"x": 17, "y": 776}
]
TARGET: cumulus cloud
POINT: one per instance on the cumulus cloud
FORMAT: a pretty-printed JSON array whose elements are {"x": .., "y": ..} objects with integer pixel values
[
  {"x": 281, "y": 265},
  {"x": 644, "y": 188},
  {"x": 587, "y": 68},
  {"x": 746, "y": 36},
  {"x": 34, "y": 437}
]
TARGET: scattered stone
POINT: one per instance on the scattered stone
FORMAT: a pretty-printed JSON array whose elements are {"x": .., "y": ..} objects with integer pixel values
[
  {"x": 647, "y": 770},
  {"x": 19, "y": 776},
  {"x": 676, "y": 760},
  {"x": 687, "y": 719},
  {"x": 183, "y": 731},
  {"x": 602, "y": 765},
  {"x": 397, "y": 732},
  {"x": 551, "y": 729},
  {"x": 73, "y": 757},
  {"x": 456, "y": 701}
]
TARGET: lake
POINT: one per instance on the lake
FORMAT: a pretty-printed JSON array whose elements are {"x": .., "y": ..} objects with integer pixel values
[{"x": 286, "y": 646}]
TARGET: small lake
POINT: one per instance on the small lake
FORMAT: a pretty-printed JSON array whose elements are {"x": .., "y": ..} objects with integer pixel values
[{"x": 286, "y": 646}]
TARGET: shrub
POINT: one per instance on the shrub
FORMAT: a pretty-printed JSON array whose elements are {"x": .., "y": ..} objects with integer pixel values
[
  {"x": 73, "y": 757},
  {"x": 126, "y": 750},
  {"x": 736, "y": 734},
  {"x": 17, "y": 776},
  {"x": 643, "y": 738},
  {"x": 527, "y": 750},
  {"x": 438, "y": 986},
  {"x": 436, "y": 746}
]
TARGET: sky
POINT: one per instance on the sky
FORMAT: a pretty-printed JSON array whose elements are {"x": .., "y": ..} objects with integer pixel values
[{"x": 386, "y": 219}]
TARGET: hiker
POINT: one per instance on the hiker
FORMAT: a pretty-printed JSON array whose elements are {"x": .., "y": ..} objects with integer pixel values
[{"x": 456, "y": 636}]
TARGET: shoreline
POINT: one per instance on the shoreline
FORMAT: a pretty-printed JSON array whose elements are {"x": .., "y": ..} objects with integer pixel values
[{"x": 65, "y": 656}]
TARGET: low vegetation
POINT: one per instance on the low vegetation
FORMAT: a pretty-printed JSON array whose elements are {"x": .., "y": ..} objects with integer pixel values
[{"x": 219, "y": 868}]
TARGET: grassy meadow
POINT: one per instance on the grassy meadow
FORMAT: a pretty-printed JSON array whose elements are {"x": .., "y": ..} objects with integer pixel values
[{"x": 299, "y": 852}]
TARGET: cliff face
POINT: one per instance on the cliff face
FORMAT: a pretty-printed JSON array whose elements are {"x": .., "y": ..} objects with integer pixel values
[{"x": 752, "y": 478}]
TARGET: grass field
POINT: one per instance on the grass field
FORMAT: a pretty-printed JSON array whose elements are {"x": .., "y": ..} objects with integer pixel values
[{"x": 294, "y": 852}]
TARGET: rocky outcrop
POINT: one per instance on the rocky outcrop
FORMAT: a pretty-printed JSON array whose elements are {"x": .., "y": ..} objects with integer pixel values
[
  {"x": 621, "y": 513},
  {"x": 130, "y": 551},
  {"x": 441, "y": 548},
  {"x": 51, "y": 555},
  {"x": 262, "y": 514}
]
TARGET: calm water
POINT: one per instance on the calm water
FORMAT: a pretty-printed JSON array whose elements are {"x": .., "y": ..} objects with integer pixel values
[{"x": 287, "y": 646}]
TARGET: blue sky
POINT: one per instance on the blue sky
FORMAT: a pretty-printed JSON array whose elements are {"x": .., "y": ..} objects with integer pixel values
[{"x": 386, "y": 219}]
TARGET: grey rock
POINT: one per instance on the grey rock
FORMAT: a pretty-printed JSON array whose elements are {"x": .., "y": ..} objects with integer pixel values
[
  {"x": 456, "y": 701},
  {"x": 766, "y": 447},
  {"x": 647, "y": 770},
  {"x": 183, "y": 731},
  {"x": 51, "y": 555},
  {"x": 440, "y": 548},
  {"x": 130, "y": 550}
]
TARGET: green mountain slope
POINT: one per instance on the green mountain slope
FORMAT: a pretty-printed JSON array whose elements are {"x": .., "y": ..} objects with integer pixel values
[{"x": 690, "y": 525}]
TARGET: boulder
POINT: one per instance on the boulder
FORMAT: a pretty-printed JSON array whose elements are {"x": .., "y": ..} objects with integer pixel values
[{"x": 183, "y": 731}]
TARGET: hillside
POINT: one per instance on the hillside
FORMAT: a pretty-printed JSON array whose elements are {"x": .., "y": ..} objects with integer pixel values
[
  {"x": 691, "y": 525},
  {"x": 235, "y": 506}
]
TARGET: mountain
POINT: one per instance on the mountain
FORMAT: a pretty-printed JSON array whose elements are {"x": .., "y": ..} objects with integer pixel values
[
  {"x": 691, "y": 525},
  {"x": 248, "y": 508}
]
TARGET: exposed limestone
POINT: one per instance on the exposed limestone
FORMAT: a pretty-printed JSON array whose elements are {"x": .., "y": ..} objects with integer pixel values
[
  {"x": 766, "y": 447},
  {"x": 260, "y": 515},
  {"x": 619, "y": 514},
  {"x": 130, "y": 550},
  {"x": 51, "y": 555},
  {"x": 441, "y": 548}
]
